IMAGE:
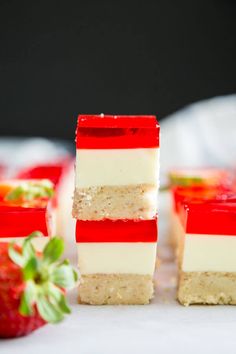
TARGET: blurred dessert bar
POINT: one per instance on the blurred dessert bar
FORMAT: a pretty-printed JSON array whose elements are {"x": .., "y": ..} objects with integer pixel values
[
  {"x": 26, "y": 206},
  {"x": 207, "y": 246},
  {"x": 61, "y": 174},
  {"x": 203, "y": 232},
  {"x": 196, "y": 184}
]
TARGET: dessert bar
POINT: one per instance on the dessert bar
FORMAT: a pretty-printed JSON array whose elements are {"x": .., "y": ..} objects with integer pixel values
[
  {"x": 116, "y": 261},
  {"x": 207, "y": 253},
  {"x": 115, "y": 204},
  {"x": 117, "y": 170},
  {"x": 26, "y": 206}
]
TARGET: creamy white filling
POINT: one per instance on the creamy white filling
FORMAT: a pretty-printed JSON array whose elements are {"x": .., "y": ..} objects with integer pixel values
[
  {"x": 38, "y": 242},
  {"x": 206, "y": 253},
  {"x": 117, "y": 257},
  {"x": 115, "y": 167}
]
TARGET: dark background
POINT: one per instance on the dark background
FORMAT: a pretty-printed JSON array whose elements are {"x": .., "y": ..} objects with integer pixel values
[{"x": 59, "y": 58}]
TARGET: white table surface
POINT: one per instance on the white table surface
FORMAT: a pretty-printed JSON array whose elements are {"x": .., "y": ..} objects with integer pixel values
[{"x": 162, "y": 327}]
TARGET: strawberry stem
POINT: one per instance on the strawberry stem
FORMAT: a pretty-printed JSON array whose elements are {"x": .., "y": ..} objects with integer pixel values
[{"x": 45, "y": 278}]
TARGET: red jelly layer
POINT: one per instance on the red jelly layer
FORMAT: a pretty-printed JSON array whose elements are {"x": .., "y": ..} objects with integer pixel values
[
  {"x": 116, "y": 231},
  {"x": 212, "y": 218},
  {"x": 53, "y": 172},
  {"x": 199, "y": 194},
  {"x": 117, "y": 132},
  {"x": 20, "y": 222}
]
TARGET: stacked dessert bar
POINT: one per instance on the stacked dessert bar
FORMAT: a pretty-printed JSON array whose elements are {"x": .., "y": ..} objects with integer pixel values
[{"x": 115, "y": 204}]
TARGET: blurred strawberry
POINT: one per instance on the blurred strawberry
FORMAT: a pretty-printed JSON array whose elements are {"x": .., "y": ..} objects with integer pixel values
[{"x": 32, "y": 286}]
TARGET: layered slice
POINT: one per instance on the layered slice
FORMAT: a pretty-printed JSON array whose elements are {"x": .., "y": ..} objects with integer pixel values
[
  {"x": 116, "y": 261},
  {"x": 26, "y": 206},
  {"x": 116, "y": 167},
  {"x": 207, "y": 248}
]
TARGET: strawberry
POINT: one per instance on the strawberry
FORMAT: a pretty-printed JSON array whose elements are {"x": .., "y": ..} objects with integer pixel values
[
  {"x": 32, "y": 286},
  {"x": 30, "y": 190}
]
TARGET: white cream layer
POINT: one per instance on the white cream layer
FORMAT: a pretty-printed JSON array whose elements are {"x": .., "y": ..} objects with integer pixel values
[
  {"x": 117, "y": 257},
  {"x": 206, "y": 253},
  {"x": 116, "y": 167},
  {"x": 38, "y": 242}
]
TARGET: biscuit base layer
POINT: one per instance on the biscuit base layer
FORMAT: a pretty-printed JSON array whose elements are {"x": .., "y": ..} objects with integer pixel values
[
  {"x": 115, "y": 289},
  {"x": 210, "y": 288},
  {"x": 111, "y": 202}
]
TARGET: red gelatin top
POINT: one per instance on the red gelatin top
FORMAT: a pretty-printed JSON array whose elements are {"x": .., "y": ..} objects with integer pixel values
[
  {"x": 116, "y": 231},
  {"x": 199, "y": 194},
  {"x": 117, "y": 132},
  {"x": 16, "y": 221},
  {"x": 53, "y": 172},
  {"x": 211, "y": 218}
]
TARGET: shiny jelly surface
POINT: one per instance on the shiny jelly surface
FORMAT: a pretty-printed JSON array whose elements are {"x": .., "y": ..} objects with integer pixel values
[
  {"x": 117, "y": 132},
  {"x": 199, "y": 194},
  {"x": 53, "y": 172},
  {"x": 16, "y": 221},
  {"x": 116, "y": 231},
  {"x": 211, "y": 218}
]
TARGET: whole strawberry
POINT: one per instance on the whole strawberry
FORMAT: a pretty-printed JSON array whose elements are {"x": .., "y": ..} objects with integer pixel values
[{"x": 32, "y": 286}]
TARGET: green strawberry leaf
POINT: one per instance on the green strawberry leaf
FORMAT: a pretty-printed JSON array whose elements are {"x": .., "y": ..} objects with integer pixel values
[
  {"x": 30, "y": 270},
  {"x": 185, "y": 181},
  {"x": 48, "y": 311},
  {"x": 15, "y": 193},
  {"x": 64, "y": 306},
  {"x": 27, "y": 248},
  {"x": 31, "y": 190},
  {"x": 53, "y": 250},
  {"x": 64, "y": 276},
  {"x": 15, "y": 256},
  {"x": 57, "y": 297},
  {"x": 28, "y": 298},
  {"x": 65, "y": 262}
]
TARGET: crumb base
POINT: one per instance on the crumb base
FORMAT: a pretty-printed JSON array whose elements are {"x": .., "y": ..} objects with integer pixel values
[
  {"x": 115, "y": 202},
  {"x": 210, "y": 288},
  {"x": 115, "y": 289}
]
